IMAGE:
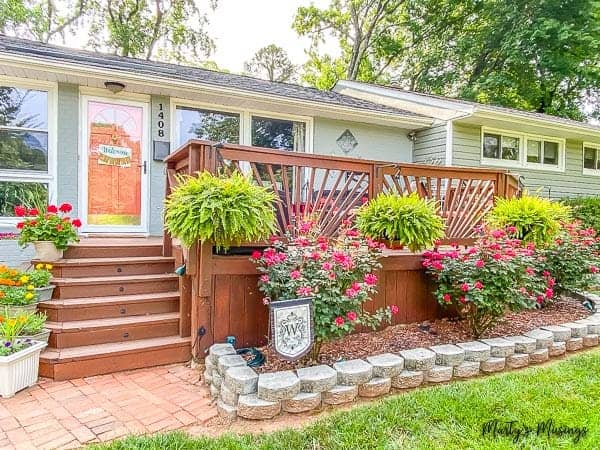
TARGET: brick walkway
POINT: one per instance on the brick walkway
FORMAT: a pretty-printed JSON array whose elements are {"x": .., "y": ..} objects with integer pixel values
[{"x": 69, "y": 414}]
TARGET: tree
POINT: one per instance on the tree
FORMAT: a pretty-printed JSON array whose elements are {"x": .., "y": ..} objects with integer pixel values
[
  {"x": 535, "y": 55},
  {"x": 271, "y": 62},
  {"x": 42, "y": 20},
  {"x": 170, "y": 30}
]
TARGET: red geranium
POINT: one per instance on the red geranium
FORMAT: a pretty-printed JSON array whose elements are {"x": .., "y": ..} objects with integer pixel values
[
  {"x": 65, "y": 208},
  {"x": 52, "y": 209},
  {"x": 20, "y": 211}
]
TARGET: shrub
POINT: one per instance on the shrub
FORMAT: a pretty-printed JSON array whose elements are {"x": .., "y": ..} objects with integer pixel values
[
  {"x": 587, "y": 210},
  {"x": 497, "y": 274},
  {"x": 409, "y": 219},
  {"x": 573, "y": 258},
  {"x": 535, "y": 219},
  {"x": 337, "y": 273},
  {"x": 50, "y": 225},
  {"x": 224, "y": 210}
]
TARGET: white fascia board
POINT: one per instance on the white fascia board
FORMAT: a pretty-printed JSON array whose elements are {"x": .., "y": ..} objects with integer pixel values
[{"x": 76, "y": 69}]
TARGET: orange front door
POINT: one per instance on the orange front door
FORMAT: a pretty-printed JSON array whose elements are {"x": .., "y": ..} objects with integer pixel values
[{"x": 115, "y": 166}]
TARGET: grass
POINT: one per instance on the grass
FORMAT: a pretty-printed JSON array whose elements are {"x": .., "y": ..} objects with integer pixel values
[{"x": 441, "y": 417}]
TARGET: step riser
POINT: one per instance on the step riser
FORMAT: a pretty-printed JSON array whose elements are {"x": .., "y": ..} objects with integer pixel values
[
  {"x": 102, "y": 365},
  {"x": 112, "y": 251},
  {"x": 107, "y": 290},
  {"x": 113, "y": 334},
  {"x": 112, "y": 269},
  {"x": 69, "y": 314}
]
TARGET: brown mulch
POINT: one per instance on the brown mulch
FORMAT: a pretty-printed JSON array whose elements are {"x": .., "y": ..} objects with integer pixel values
[{"x": 441, "y": 331}]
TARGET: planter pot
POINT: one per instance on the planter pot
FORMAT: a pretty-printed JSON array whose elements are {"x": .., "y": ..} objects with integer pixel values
[
  {"x": 42, "y": 336},
  {"x": 46, "y": 251},
  {"x": 45, "y": 293},
  {"x": 20, "y": 370},
  {"x": 14, "y": 256},
  {"x": 392, "y": 245},
  {"x": 18, "y": 310}
]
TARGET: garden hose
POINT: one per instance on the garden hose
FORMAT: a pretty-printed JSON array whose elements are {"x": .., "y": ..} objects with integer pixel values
[{"x": 258, "y": 358}]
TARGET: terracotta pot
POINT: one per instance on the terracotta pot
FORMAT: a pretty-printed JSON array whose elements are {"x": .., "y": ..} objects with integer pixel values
[
  {"x": 46, "y": 251},
  {"x": 44, "y": 293}
]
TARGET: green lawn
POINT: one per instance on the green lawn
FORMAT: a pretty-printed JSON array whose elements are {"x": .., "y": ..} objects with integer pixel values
[{"x": 448, "y": 417}]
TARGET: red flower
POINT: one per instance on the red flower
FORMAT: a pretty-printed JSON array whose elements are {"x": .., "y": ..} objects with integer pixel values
[
  {"x": 304, "y": 291},
  {"x": 546, "y": 273},
  {"x": 20, "y": 225},
  {"x": 52, "y": 209},
  {"x": 339, "y": 321},
  {"x": 465, "y": 287},
  {"x": 462, "y": 299},
  {"x": 594, "y": 269},
  {"x": 351, "y": 316},
  {"x": 352, "y": 233},
  {"x": 370, "y": 279},
  {"x": 59, "y": 227},
  {"x": 65, "y": 208},
  {"x": 479, "y": 263},
  {"x": 256, "y": 255},
  {"x": 437, "y": 265},
  {"x": 549, "y": 293},
  {"x": 351, "y": 293},
  {"x": 264, "y": 278},
  {"x": 20, "y": 211},
  {"x": 447, "y": 298},
  {"x": 76, "y": 223},
  {"x": 529, "y": 271},
  {"x": 478, "y": 285},
  {"x": 295, "y": 274},
  {"x": 497, "y": 256},
  {"x": 394, "y": 309},
  {"x": 326, "y": 266},
  {"x": 33, "y": 212}
]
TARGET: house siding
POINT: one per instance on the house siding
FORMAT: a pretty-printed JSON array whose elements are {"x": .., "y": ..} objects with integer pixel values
[
  {"x": 67, "y": 131},
  {"x": 570, "y": 183},
  {"x": 374, "y": 142},
  {"x": 430, "y": 145}
]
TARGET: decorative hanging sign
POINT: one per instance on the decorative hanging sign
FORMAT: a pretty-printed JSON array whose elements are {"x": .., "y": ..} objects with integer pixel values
[
  {"x": 292, "y": 327},
  {"x": 111, "y": 155}
]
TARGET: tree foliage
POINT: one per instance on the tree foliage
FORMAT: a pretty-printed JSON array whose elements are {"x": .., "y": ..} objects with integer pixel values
[
  {"x": 537, "y": 55},
  {"x": 272, "y": 63}
]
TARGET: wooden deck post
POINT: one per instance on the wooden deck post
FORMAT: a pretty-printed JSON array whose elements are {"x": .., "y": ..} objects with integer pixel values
[{"x": 202, "y": 301}]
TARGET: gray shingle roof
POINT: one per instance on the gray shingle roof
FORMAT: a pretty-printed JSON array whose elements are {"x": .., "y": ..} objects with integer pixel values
[{"x": 49, "y": 52}]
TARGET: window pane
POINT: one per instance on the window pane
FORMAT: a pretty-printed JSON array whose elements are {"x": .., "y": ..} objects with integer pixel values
[
  {"x": 491, "y": 146},
  {"x": 510, "y": 148},
  {"x": 551, "y": 153},
  {"x": 278, "y": 134},
  {"x": 534, "y": 151},
  {"x": 13, "y": 193},
  {"x": 589, "y": 158},
  {"x": 24, "y": 150},
  {"x": 25, "y": 108},
  {"x": 208, "y": 125}
]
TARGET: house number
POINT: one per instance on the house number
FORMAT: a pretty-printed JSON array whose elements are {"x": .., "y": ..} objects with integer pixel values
[{"x": 161, "y": 121}]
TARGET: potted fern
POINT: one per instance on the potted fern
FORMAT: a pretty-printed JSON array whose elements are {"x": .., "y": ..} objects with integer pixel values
[
  {"x": 401, "y": 220},
  {"x": 224, "y": 210}
]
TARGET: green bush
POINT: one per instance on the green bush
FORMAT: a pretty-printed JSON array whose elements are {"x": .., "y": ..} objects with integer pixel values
[
  {"x": 408, "y": 219},
  {"x": 586, "y": 209},
  {"x": 227, "y": 210},
  {"x": 536, "y": 219}
]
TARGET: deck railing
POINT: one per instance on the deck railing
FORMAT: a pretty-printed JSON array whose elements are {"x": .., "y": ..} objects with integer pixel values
[{"x": 329, "y": 189}]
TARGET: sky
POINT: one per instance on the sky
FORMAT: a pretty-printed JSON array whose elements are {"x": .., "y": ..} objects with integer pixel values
[{"x": 241, "y": 27}]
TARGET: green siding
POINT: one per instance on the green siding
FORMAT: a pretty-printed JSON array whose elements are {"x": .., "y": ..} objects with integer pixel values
[
  {"x": 374, "y": 142},
  {"x": 430, "y": 145},
  {"x": 570, "y": 183},
  {"x": 67, "y": 131}
]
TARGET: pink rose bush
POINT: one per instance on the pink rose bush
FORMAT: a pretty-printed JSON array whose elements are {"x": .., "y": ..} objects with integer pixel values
[
  {"x": 499, "y": 273},
  {"x": 337, "y": 273}
]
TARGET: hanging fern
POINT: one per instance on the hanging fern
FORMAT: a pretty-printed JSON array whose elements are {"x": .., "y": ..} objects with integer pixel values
[{"x": 226, "y": 210}]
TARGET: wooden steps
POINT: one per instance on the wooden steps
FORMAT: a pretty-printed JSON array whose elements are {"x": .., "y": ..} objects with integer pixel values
[{"x": 115, "y": 307}]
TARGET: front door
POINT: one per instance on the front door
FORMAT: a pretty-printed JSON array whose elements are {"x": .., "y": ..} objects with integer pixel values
[{"x": 114, "y": 166}]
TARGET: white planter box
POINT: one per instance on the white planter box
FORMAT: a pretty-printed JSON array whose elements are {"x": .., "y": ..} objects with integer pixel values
[{"x": 20, "y": 370}]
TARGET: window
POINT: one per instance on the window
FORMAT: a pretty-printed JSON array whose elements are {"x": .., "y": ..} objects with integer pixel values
[
  {"x": 26, "y": 165},
  {"x": 278, "y": 134},
  {"x": 503, "y": 148},
  {"x": 591, "y": 159},
  {"x": 217, "y": 126}
]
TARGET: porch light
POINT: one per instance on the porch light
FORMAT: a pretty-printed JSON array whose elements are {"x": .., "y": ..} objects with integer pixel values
[{"x": 114, "y": 86}]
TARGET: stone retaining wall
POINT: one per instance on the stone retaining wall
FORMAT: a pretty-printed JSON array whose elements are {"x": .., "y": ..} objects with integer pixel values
[{"x": 240, "y": 391}]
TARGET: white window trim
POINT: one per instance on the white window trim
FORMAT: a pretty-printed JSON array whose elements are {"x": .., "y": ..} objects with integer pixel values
[
  {"x": 245, "y": 120},
  {"x": 591, "y": 172},
  {"x": 522, "y": 161},
  {"x": 49, "y": 178}
]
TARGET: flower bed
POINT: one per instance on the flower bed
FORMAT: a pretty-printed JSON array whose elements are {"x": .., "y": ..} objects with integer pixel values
[{"x": 242, "y": 392}]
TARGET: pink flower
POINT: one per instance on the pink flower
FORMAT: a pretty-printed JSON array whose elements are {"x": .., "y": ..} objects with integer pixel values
[
  {"x": 529, "y": 271},
  {"x": 339, "y": 321},
  {"x": 472, "y": 250},
  {"x": 305, "y": 227},
  {"x": 447, "y": 298},
  {"x": 351, "y": 293},
  {"x": 351, "y": 316},
  {"x": 331, "y": 276},
  {"x": 256, "y": 255},
  {"x": 594, "y": 269},
  {"x": 304, "y": 291},
  {"x": 322, "y": 246},
  {"x": 540, "y": 299},
  {"x": 462, "y": 299},
  {"x": 551, "y": 282},
  {"x": 549, "y": 293},
  {"x": 370, "y": 279},
  {"x": 437, "y": 265},
  {"x": 352, "y": 233},
  {"x": 511, "y": 229},
  {"x": 20, "y": 211},
  {"x": 315, "y": 256},
  {"x": 497, "y": 256},
  {"x": 478, "y": 285},
  {"x": 356, "y": 286},
  {"x": 465, "y": 287},
  {"x": 326, "y": 266},
  {"x": 394, "y": 309},
  {"x": 498, "y": 234},
  {"x": 295, "y": 274},
  {"x": 479, "y": 263},
  {"x": 266, "y": 300},
  {"x": 264, "y": 278}
]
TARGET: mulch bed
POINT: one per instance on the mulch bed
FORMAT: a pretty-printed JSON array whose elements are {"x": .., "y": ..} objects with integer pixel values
[{"x": 442, "y": 331}]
